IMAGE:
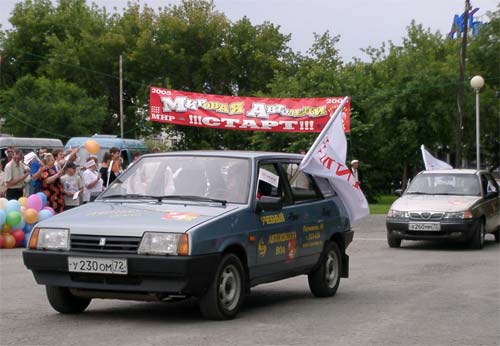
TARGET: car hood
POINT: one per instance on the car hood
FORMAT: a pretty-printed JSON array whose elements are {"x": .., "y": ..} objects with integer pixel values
[
  {"x": 434, "y": 203},
  {"x": 133, "y": 219}
]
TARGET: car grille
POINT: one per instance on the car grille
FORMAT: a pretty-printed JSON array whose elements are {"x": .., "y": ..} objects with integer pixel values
[
  {"x": 93, "y": 243},
  {"x": 425, "y": 216}
]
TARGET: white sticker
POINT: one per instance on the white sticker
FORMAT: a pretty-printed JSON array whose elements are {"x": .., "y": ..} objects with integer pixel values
[{"x": 269, "y": 177}]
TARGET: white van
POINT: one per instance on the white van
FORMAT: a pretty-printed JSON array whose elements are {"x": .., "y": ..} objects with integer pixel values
[{"x": 28, "y": 144}]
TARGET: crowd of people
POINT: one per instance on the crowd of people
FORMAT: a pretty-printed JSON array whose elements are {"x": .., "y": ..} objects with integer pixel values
[{"x": 57, "y": 174}]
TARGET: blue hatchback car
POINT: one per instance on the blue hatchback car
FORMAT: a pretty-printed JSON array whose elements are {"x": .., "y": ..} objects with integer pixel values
[{"x": 206, "y": 224}]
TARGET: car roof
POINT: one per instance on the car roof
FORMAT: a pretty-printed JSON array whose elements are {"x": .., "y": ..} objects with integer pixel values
[
  {"x": 233, "y": 153},
  {"x": 452, "y": 171}
]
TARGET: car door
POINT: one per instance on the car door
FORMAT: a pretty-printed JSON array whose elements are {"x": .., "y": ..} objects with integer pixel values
[
  {"x": 490, "y": 205},
  {"x": 313, "y": 210},
  {"x": 277, "y": 234}
]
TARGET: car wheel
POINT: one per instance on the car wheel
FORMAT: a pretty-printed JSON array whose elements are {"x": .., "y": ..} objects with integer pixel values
[
  {"x": 477, "y": 241},
  {"x": 393, "y": 241},
  {"x": 225, "y": 294},
  {"x": 497, "y": 235},
  {"x": 61, "y": 299},
  {"x": 324, "y": 281}
]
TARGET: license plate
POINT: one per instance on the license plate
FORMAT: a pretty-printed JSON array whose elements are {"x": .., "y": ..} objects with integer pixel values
[
  {"x": 424, "y": 226},
  {"x": 97, "y": 265}
]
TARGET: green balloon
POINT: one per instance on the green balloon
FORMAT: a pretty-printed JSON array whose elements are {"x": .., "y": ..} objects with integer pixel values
[{"x": 13, "y": 218}]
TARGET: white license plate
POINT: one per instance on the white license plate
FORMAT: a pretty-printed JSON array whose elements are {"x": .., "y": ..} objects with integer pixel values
[
  {"x": 424, "y": 226},
  {"x": 97, "y": 265}
]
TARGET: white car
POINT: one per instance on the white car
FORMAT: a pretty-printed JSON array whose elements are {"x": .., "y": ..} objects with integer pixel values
[{"x": 459, "y": 204}]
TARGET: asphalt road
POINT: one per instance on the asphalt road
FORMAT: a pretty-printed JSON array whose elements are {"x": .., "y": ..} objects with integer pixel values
[{"x": 421, "y": 294}]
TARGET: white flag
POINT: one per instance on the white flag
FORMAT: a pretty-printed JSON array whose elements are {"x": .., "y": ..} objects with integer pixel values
[
  {"x": 326, "y": 158},
  {"x": 431, "y": 162}
]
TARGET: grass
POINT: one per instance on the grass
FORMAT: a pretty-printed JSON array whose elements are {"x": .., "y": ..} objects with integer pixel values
[{"x": 383, "y": 204}]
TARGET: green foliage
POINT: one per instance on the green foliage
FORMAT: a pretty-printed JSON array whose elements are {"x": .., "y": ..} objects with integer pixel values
[
  {"x": 61, "y": 63},
  {"x": 39, "y": 107}
]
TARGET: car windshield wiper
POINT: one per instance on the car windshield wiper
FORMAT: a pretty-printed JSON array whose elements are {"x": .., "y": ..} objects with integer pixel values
[
  {"x": 131, "y": 196},
  {"x": 418, "y": 193},
  {"x": 192, "y": 198}
]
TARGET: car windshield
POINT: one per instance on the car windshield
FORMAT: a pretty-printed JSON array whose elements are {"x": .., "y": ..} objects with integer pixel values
[
  {"x": 445, "y": 184},
  {"x": 195, "y": 178}
]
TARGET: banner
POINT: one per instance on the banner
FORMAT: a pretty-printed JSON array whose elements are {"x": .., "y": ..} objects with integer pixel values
[
  {"x": 244, "y": 113},
  {"x": 431, "y": 162},
  {"x": 326, "y": 158}
]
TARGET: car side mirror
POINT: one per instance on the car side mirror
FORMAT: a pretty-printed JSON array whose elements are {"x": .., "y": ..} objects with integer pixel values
[
  {"x": 268, "y": 203},
  {"x": 492, "y": 194},
  {"x": 398, "y": 192}
]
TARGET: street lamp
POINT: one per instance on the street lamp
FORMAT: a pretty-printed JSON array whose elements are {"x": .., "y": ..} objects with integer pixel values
[{"x": 477, "y": 83}]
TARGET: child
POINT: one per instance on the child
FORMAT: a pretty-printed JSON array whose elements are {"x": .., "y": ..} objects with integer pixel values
[{"x": 72, "y": 183}]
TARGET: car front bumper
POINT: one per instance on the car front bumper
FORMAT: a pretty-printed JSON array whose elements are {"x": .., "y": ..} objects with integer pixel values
[
  {"x": 450, "y": 229},
  {"x": 165, "y": 275}
]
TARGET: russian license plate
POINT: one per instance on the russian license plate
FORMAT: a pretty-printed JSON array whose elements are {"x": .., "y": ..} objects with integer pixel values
[
  {"x": 97, "y": 265},
  {"x": 424, "y": 226}
]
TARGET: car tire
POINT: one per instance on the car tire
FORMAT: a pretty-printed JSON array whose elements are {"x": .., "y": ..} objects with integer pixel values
[
  {"x": 324, "y": 281},
  {"x": 477, "y": 241},
  {"x": 394, "y": 242},
  {"x": 226, "y": 293},
  {"x": 497, "y": 235},
  {"x": 61, "y": 300}
]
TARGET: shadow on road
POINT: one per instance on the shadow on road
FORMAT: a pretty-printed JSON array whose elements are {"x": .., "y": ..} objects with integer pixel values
[
  {"x": 186, "y": 310},
  {"x": 444, "y": 245}
]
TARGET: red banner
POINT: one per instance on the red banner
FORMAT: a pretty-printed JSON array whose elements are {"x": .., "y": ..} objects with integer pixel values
[{"x": 244, "y": 113}]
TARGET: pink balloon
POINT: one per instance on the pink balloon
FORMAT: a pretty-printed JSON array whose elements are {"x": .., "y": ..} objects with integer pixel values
[
  {"x": 50, "y": 209},
  {"x": 34, "y": 202}
]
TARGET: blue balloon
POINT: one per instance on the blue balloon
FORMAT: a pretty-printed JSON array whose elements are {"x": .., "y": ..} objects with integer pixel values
[
  {"x": 44, "y": 214},
  {"x": 2, "y": 217},
  {"x": 26, "y": 239},
  {"x": 20, "y": 225},
  {"x": 43, "y": 198},
  {"x": 27, "y": 229},
  {"x": 13, "y": 205}
]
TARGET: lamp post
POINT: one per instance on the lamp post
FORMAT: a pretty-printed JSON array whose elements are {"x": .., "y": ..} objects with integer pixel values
[{"x": 477, "y": 83}]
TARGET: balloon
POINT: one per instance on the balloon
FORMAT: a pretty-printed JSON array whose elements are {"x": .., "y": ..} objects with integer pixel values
[
  {"x": 26, "y": 239},
  {"x": 1, "y": 241},
  {"x": 31, "y": 215},
  {"x": 50, "y": 209},
  {"x": 3, "y": 203},
  {"x": 20, "y": 225},
  {"x": 23, "y": 209},
  {"x": 18, "y": 235},
  {"x": 28, "y": 227},
  {"x": 22, "y": 201},
  {"x": 34, "y": 202},
  {"x": 43, "y": 198},
  {"x": 2, "y": 217},
  {"x": 44, "y": 215},
  {"x": 13, "y": 218},
  {"x": 12, "y": 205},
  {"x": 9, "y": 241},
  {"x": 92, "y": 146},
  {"x": 6, "y": 228}
]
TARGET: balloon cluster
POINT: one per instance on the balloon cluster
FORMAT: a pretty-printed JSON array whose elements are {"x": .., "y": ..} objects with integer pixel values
[{"x": 18, "y": 217}]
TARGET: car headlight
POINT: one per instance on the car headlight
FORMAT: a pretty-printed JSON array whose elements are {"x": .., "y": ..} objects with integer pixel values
[
  {"x": 156, "y": 243},
  {"x": 458, "y": 215},
  {"x": 397, "y": 214},
  {"x": 49, "y": 239}
]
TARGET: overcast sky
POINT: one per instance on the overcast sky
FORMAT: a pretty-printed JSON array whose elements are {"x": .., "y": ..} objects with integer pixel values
[{"x": 360, "y": 23}]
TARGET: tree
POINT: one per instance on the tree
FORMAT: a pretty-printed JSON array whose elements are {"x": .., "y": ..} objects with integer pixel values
[{"x": 39, "y": 107}]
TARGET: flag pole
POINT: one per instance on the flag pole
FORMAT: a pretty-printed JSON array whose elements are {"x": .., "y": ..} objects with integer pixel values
[{"x": 309, "y": 154}]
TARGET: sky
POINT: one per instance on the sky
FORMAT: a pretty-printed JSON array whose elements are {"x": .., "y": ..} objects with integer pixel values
[{"x": 360, "y": 23}]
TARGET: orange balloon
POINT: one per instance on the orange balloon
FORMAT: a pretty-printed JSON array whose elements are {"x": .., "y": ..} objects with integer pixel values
[
  {"x": 30, "y": 215},
  {"x": 9, "y": 242},
  {"x": 5, "y": 228},
  {"x": 92, "y": 147}
]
